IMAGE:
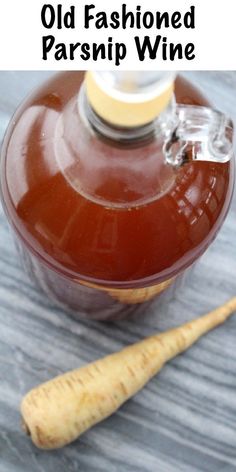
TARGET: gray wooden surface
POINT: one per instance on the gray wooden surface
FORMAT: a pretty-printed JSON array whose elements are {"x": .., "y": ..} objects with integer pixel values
[{"x": 185, "y": 419}]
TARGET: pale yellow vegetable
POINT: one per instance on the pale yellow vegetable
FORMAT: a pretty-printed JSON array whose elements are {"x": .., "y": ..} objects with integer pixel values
[{"x": 58, "y": 411}]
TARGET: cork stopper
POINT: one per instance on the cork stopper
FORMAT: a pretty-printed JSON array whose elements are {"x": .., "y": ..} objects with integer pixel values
[{"x": 129, "y": 98}]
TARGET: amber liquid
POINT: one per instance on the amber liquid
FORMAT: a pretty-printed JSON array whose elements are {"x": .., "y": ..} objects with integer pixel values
[{"x": 145, "y": 244}]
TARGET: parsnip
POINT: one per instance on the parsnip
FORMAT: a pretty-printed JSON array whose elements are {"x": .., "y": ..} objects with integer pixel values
[{"x": 58, "y": 411}]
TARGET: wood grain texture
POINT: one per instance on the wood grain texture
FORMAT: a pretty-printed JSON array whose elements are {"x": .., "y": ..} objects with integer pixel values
[{"x": 185, "y": 419}]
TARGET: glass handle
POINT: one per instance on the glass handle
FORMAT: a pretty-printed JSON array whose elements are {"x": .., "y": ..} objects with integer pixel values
[{"x": 198, "y": 134}]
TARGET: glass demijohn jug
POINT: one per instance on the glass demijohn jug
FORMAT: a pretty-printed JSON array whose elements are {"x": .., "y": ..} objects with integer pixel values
[{"x": 114, "y": 183}]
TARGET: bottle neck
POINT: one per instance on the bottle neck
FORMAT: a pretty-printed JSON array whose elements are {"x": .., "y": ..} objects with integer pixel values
[{"x": 124, "y": 135}]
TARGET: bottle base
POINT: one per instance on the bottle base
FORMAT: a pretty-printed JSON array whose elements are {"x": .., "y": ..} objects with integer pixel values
[{"x": 86, "y": 301}]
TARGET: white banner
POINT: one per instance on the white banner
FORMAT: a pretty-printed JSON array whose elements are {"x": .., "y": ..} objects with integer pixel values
[{"x": 147, "y": 34}]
